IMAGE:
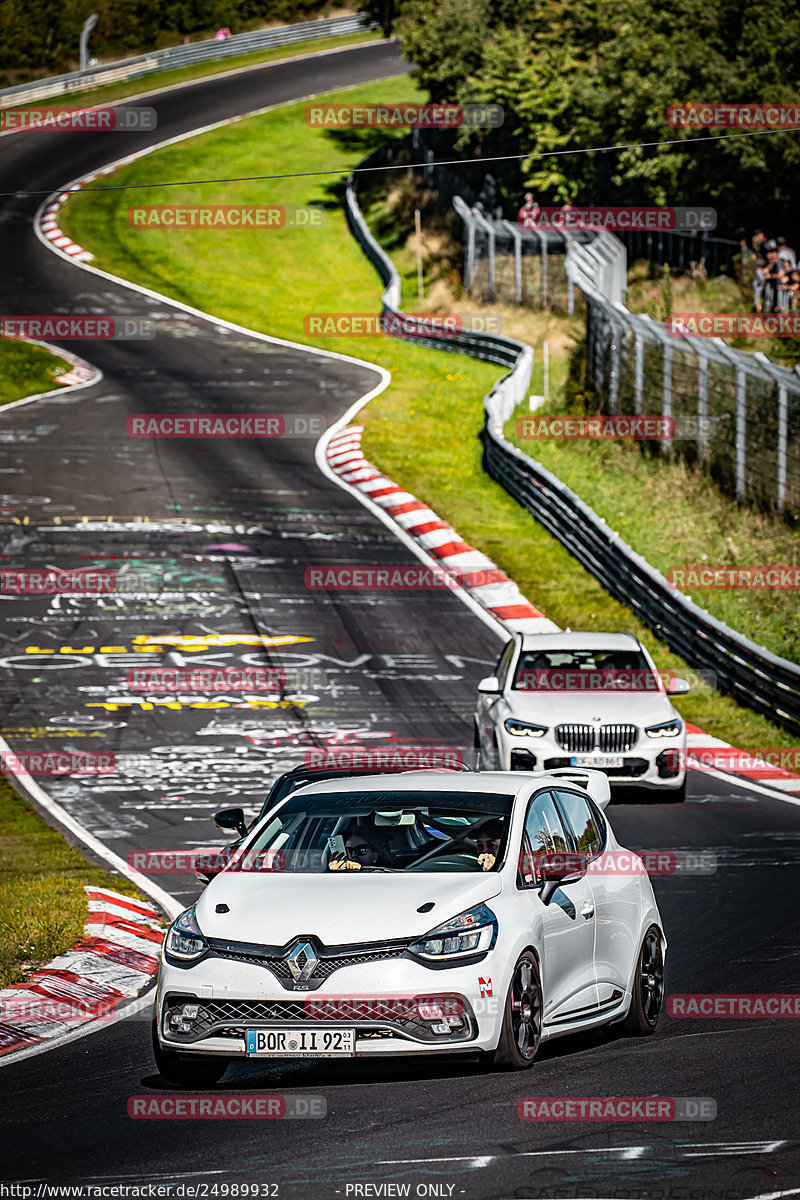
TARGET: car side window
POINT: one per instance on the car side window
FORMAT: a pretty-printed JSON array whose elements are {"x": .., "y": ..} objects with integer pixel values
[
  {"x": 544, "y": 834},
  {"x": 503, "y": 663},
  {"x": 580, "y": 821}
]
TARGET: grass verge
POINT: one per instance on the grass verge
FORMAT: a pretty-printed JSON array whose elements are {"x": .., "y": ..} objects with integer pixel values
[
  {"x": 43, "y": 906},
  {"x": 156, "y": 81},
  {"x": 26, "y": 370},
  {"x": 423, "y": 429}
]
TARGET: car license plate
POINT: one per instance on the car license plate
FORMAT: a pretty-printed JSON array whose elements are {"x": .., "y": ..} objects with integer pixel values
[
  {"x": 598, "y": 760},
  {"x": 300, "y": 1043}
]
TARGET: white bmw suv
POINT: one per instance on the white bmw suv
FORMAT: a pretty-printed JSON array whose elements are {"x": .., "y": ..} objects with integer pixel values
[{"x": 583, "y": 700}]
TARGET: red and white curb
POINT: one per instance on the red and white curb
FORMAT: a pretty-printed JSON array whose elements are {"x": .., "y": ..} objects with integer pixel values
[
  {"x": 115, "y": 961},
  {"x": 48, "y": 223},
  {"x": 712, "y": 754},
  {"x": 481, "y": 578}
]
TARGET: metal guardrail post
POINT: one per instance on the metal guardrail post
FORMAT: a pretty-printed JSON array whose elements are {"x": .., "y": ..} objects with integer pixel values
[
  {"x": 741, "y": 431},
  {"x": 613, "y": 379},
  {"x": 88, "y": 26},
  {"x": 516, "y": 234},
  {"x": 638, "y": 372},
  {"x": 783, "y": 437},
  {"x": 702, "y": 408},
  {"x": 488, "y": 228},
  {"x": 666, "y": 393}
]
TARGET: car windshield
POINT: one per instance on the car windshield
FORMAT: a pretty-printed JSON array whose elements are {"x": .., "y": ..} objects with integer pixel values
[
  {"x": 384, "y": 831},
  {"x": 585, "y": 671}
]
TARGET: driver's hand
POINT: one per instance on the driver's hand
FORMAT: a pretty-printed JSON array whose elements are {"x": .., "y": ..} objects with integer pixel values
[
  {"x": 343, "y": 864},
  {"x": 487, "y": 861}
]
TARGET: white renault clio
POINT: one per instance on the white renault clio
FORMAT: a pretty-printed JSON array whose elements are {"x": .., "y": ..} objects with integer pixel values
[
  {"x": 591, "y": 700},
  {"x": 420, "y": 913}
]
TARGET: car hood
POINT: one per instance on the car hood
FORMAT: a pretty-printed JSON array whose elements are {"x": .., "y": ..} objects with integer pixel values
[
  {"x": 338, "y": 908},
  {"x": 556, "y": 708}
]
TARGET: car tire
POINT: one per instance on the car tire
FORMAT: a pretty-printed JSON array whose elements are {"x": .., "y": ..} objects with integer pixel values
[
  {"x": 522, "y": 1017},
  {"x": 187, "y": 1070},
  {"x": 648, "y": 986},
  {"x": 672, "y": 795}
]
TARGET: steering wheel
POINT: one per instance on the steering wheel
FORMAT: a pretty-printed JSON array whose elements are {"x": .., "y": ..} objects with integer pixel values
[{"x": 448, "y": 862}]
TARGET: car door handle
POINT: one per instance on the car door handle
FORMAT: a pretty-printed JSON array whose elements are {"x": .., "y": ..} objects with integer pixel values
[{"x": 587, "y": 911}]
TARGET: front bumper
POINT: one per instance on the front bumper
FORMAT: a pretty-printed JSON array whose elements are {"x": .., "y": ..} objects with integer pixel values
[
  {"x": 651, "y": 762},
  {"x": 386, "y": 1005}
]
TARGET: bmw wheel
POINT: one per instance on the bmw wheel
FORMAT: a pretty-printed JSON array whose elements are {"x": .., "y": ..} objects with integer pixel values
[
  {"x": 648, "y": 986},
  {"x": 522, "y": 1018}
]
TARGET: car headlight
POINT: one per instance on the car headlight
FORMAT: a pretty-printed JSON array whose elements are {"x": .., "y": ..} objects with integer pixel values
[
  {"x": 524, "y": 728},
  {"x": 184, "y": 938},
  {"x": 665, "y": 729},
  {"x": 471, "y": 932}
]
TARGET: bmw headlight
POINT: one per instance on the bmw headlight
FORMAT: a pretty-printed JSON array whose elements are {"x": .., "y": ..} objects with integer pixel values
[
  {"x": 524, "y": 728},
  {"x": 665, "y": 729},
  {"x": 184, "y": 939},
  {"x": 471, "y": 932}
]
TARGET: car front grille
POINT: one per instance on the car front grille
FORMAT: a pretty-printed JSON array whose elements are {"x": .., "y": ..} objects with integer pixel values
[
  {"x": 610, "y": 739},
  {"x": 616, "y": 739},
  {"x": 231, "y": 1018},
  {"x": 327, "y": 964},
  {"x": 577, "y": 738}
]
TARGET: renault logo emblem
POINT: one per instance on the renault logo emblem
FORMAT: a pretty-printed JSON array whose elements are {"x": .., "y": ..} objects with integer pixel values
[{"x": 302, "y": 962}]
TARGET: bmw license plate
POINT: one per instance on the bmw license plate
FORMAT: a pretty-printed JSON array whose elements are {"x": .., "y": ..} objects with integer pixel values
[
  {"x": 598, "y": 760},
  {"x": 300, "y": 1043}
]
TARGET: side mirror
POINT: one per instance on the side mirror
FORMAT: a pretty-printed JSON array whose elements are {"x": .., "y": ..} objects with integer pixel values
[
  {"x": 678, "y": 687},
  {"x": 489, "y": 686},
  {"x": 231, "y": 818},
  {"x": 558, "y": 868}
]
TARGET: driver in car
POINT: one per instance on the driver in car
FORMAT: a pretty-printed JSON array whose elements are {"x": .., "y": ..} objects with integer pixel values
[{"x": 489, "y": 839}]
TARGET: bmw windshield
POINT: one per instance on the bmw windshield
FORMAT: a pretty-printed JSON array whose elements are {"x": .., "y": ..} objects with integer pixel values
[{"x": 383, "y": 831}]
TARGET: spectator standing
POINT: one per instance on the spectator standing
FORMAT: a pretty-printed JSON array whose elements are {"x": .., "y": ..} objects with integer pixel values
[
  {"x": 758, "y": 285},
  {"x": 785, "y": 253},
  {"x": 772, "y": 273},
  {"x": 526, "y": 217}
]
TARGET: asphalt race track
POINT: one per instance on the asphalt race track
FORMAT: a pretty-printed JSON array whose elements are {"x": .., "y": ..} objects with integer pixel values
[{"x": 212, "y": 538}]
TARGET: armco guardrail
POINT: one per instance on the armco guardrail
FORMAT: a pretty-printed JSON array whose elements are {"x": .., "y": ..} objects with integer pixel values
[
  {"x": 753, "y": 675},
  {"x": 180, "y": 56}
]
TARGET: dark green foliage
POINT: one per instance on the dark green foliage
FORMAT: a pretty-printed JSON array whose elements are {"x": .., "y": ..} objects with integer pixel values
[
  {"x": 582, "y": 73},
  {"x": 41, "y": 36}
]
